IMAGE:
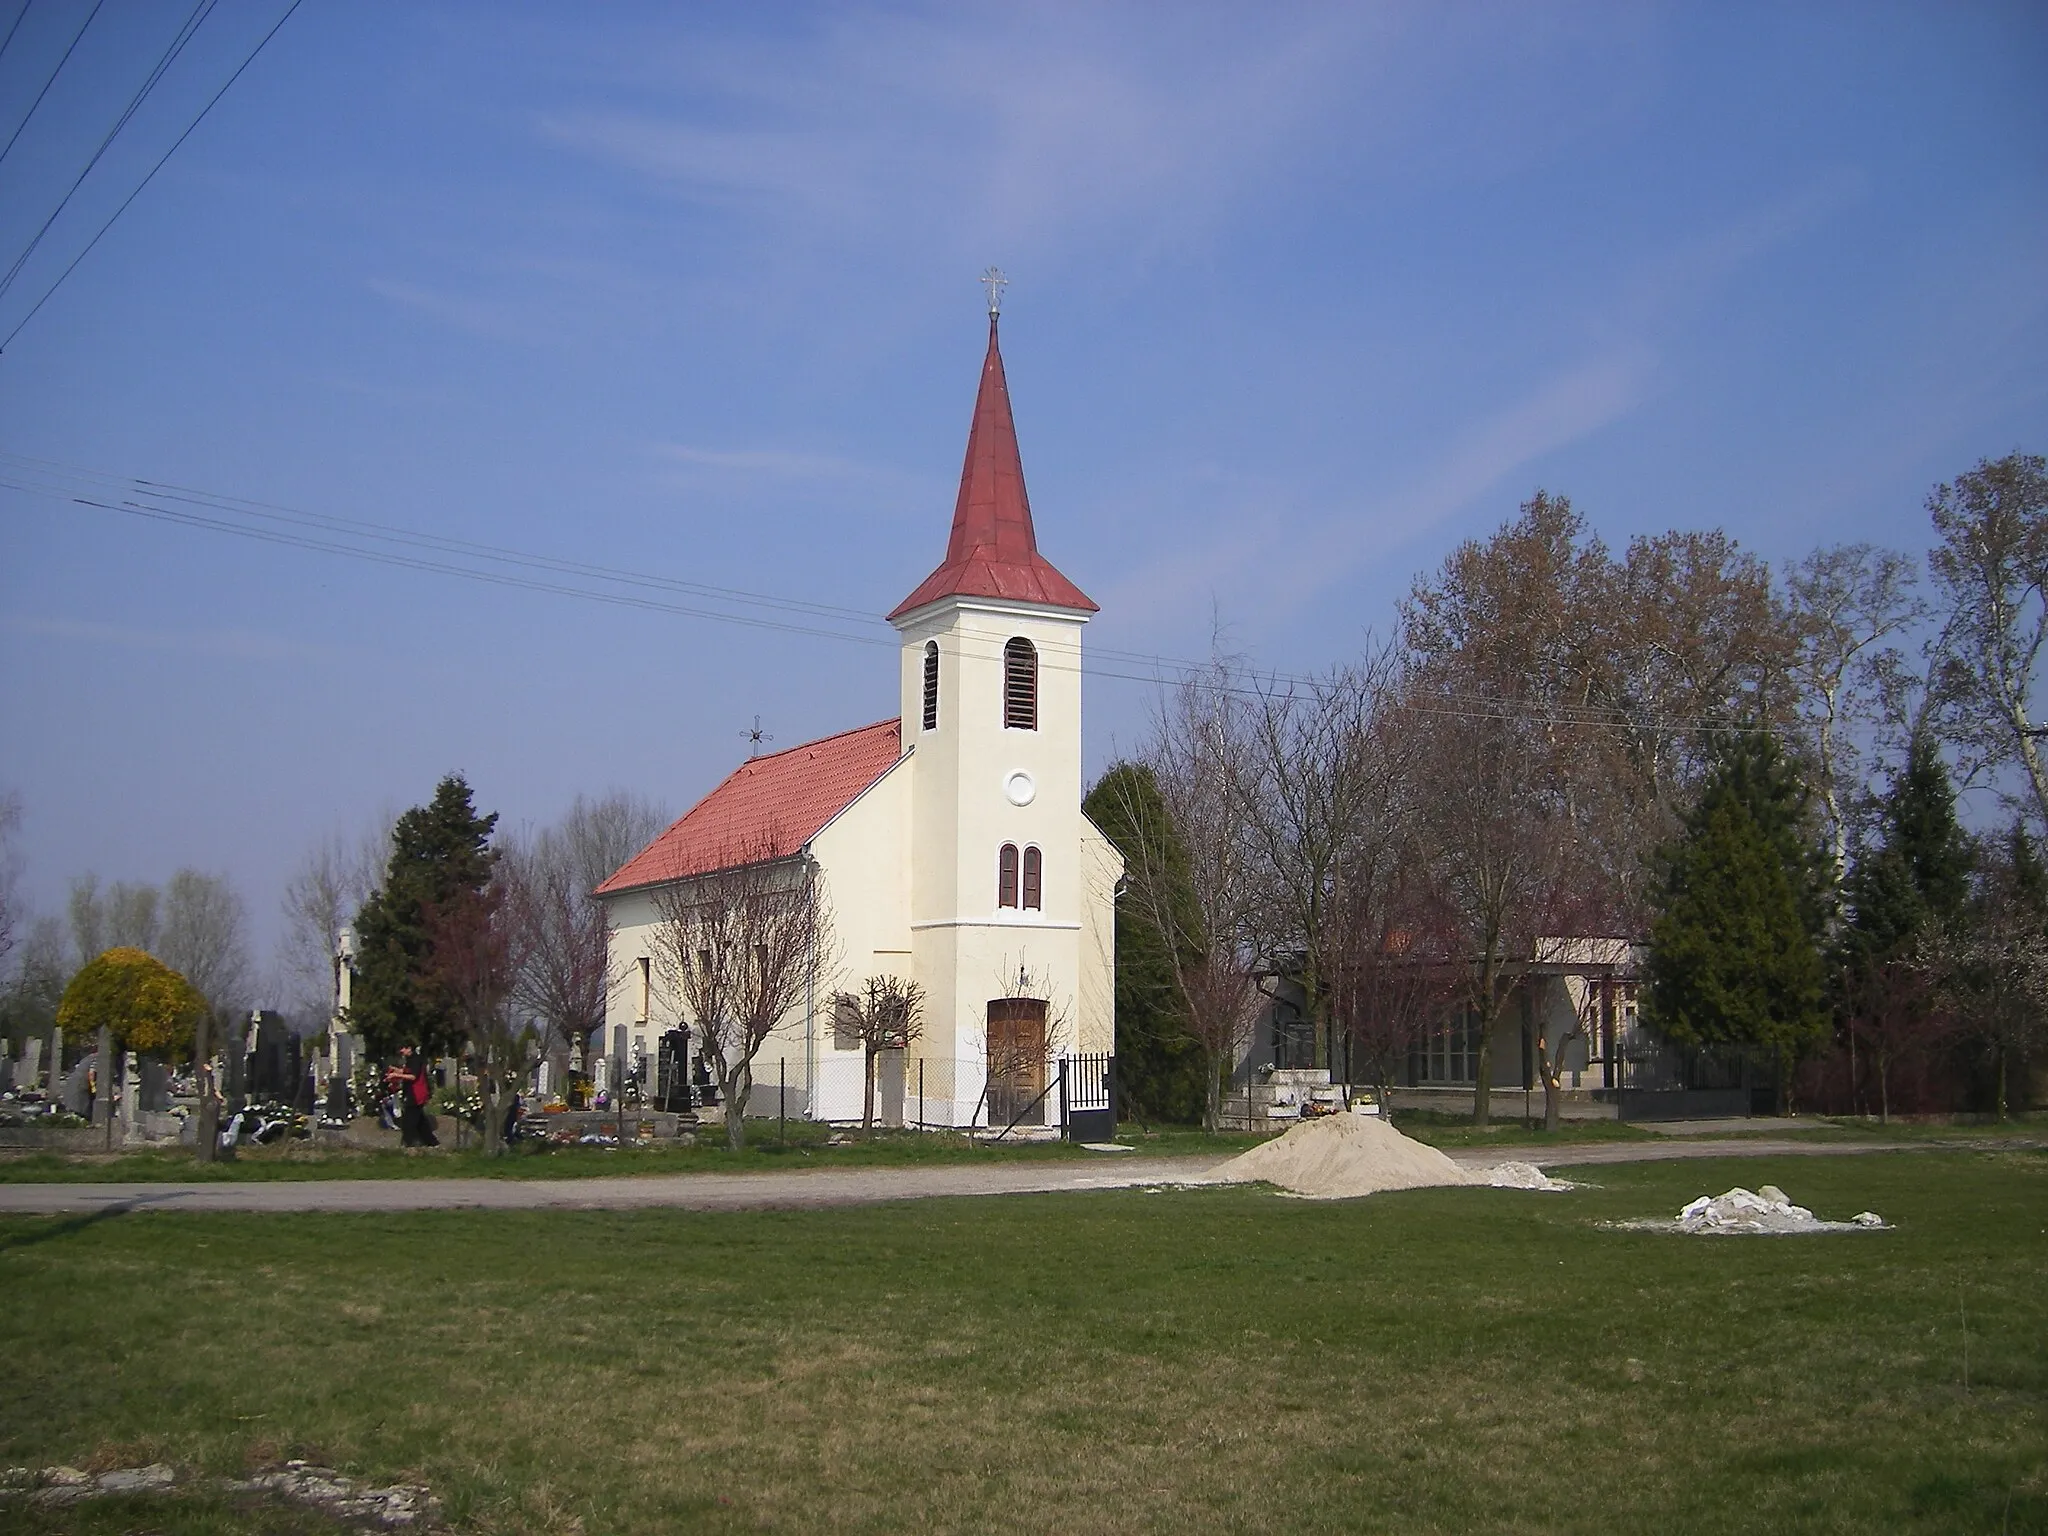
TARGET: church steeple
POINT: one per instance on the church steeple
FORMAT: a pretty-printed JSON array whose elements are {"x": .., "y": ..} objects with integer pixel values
[{"x": 993, "y": 551}]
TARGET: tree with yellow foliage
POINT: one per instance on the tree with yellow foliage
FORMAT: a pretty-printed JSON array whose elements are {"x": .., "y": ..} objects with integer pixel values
[{"x": 145, "y": 1004}]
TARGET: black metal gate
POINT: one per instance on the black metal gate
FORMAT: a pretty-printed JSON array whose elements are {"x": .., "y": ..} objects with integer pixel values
[{"x": 1088, "y": 1103}]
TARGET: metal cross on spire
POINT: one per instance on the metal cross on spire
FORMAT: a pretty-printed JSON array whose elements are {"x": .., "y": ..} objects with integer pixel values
[
  {"x": 755, "y": 737},
  {"x": 994, "y": 281}
]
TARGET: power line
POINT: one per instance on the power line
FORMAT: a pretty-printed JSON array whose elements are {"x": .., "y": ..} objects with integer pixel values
[
  {"x": 249, "y": 59},
  {"x": 52, "y": 80},
  {"x": 393, "y": 546},
  {"x": 19, "y": 17},
  {"x": 199, "y": 13}
]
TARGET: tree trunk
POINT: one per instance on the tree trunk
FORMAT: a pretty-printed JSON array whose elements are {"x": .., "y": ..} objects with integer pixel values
[
  {"x": 1884, "y": 1088},
  {"x": 1553, "y": 1100},
  {"x": 2000, "y": 1048},
  {"x": 1212, "y": 1098},
  {"x": 492, "y": 1099},
  {"x": 1482, "y": 1086},
  {"x": 736, "y": 1086}
]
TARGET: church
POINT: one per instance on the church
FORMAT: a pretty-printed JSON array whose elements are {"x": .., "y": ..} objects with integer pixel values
[{"x": 949, "y": 841}]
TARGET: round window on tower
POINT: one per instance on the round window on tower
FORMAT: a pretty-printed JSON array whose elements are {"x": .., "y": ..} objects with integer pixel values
[{"x": 1019, "y": 789}]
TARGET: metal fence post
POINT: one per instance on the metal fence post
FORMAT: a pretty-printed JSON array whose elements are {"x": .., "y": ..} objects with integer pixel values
[
  {"x": 920, "y": 1093},
  {"x": 782, "y": 1105}
]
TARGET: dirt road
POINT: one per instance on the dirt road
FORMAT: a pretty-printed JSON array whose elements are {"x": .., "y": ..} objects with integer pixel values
[{"x": 790, "y": 1191}]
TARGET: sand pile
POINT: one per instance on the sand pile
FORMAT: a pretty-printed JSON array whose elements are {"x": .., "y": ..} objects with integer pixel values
[
  {"x": 1339, "y": 1157},
  {"x": 1765, "y": 1212}
]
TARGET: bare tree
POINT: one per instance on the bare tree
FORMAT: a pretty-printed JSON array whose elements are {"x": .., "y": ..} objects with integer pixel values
[
  {"x": 1847, "y": 606},
  {"x": 567, "y": 975},
  {"x": 472, "y": 962},
  {"x": 203, "y": 936},
  {"x": 330, "y": 886},
  {"x": 123, "y": 915},
  {"x": 886, "y": 1015},
  {"x": 1496, "y": 836},
  {"x": 1991, "y": 567},
  {"x": 1191, "y": 869},
  {"x": 1993, "y": 962},
  {"x": 1396, "y": 970},
  {"x": 740, "y": 949},
  {"x": 1316, "y": 779}
]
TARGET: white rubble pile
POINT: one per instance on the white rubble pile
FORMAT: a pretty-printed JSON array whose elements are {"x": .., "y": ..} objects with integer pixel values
[
  {"x": 1340, "y": 1157},
  {"x": 1519, "y": 1176},
  {"x": 393, "y": 1508},
  {"x": 398, "y": 1507},
  {"x": 1768, "y": 1212}
]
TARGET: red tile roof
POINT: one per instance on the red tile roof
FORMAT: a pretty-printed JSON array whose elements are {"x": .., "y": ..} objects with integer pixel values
[
  {"x": 993, "y": 551},
  {"x": 767, "y": 808}
]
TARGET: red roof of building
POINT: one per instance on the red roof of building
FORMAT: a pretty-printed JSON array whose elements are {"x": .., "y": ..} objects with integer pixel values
[
  {"x": 993, "y": 551},
  {"x": 767, "y": 808}
]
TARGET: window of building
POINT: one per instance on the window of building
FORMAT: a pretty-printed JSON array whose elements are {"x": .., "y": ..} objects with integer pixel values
[
  {"x": 845, "y": 1022},
  {"x": 931, "y": 685},
  {"x": 646, "y": 987},
  {"x": 1020, "y": 685},
  {"x": 1006, "y": 876},
  {"x": 1449, "y": 1053},
  {"x": 1034, "y": 880}
]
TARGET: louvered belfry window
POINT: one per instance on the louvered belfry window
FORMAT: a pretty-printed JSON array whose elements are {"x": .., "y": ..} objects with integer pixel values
[
  {"x": 1034, "y": 880},
  {"x": 1006, "y": 876},
  {"x": 931, "y": 685},
  {"x": 1020, "y": 685}
]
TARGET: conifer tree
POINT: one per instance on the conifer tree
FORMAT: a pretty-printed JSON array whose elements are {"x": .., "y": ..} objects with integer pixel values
[
  {"x": 440, "y": 853},
  {"x": 1733, "y": 952},
  {"x": 1921, "y": 870},
  {"x": 1158, "y": 1063},
  {"x": 1903, "y": 895}
]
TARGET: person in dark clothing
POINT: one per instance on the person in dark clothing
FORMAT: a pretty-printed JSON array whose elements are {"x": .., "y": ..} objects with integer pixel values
[
  {"x": 513, "y": 1111},
  {"x": 409, "y": 1078}
]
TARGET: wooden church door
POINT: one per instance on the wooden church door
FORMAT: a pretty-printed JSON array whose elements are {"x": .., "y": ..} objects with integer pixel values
[{"x": 1016, "y": 1060}]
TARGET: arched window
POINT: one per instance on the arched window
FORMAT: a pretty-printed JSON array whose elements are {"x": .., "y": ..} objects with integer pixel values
[
  {"x": 1034, "y": 880},
  {"x": 931, "y": 685},
  {"x": 1020, "y": 685},
  {"x": 1006, "y": 876}
]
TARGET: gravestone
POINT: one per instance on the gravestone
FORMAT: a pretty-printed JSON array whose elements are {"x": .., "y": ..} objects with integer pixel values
[
  {"x": 156, "y": 1085},
  {"x": 56, "y": 1059},
  {"x": 31, "y": 1073},
  {"x": 274, "y": 1066},
  {"x": 340, "y": 1106},
  {"x": 131, "y": 1089},
  {"x": 73, "y": 1092}
]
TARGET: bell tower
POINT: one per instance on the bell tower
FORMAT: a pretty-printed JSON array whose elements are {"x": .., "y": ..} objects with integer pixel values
[{"x": 991, "y": 712}]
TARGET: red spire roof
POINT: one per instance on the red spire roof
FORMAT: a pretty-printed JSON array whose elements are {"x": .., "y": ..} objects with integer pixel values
[
  {"x": 767, "y": 808},
  {"x": 993, "y": 551}
]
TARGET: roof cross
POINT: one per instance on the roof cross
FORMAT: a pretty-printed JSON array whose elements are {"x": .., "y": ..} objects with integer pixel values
[
  {"x": 755, "y": 737},
  {"x": 994, "y": 281}
]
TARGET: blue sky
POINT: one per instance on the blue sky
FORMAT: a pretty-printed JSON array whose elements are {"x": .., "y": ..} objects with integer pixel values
[{"x": 1300, "y": 297}]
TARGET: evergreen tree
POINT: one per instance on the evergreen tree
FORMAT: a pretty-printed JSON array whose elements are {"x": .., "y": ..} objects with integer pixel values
[
  {"x": 1158, "y": 1063},
  {"x": 1752, "y": 767},
  {"x": 1904, "y": 897},
  {"x": 440, "y": 852},
  {"x": 1733, "y": 952},
  {"x": 1919, "y": 873}
]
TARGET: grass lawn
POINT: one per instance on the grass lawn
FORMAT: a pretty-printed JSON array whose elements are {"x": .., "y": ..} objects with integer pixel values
[
  {"x": 809, "y": 1145},
  {"x": 1214, "y": 1359}
]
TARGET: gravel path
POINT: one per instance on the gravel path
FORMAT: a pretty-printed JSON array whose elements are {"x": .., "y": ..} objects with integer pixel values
[{"x": 796, "y": 1191}]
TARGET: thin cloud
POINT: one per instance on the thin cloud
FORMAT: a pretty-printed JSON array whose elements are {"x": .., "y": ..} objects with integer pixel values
[{"x": 226, "y": 644}]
